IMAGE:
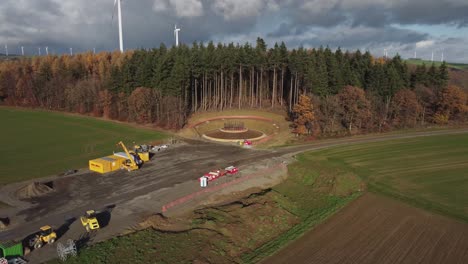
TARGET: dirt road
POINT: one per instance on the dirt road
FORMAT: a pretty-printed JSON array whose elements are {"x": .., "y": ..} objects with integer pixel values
[
  {"x": 171, "y": 174},
  {"x": 376, "y": 229}
]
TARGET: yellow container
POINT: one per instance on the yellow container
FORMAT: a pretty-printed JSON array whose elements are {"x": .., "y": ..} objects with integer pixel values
[{"x": 106, "y": 164}]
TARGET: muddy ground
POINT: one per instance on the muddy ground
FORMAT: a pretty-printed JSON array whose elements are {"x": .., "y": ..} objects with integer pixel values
[
  {"x": 376, "y": 229},
  {"x": 126, "y": 199}
]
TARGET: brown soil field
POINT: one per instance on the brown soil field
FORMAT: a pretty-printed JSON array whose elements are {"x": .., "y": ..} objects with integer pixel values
[
  {"x": 376, "y": 229},
  {"x": 226, "y": 135}
]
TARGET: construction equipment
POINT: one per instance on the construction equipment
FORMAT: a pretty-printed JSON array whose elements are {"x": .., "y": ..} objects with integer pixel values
[
  {"x": 106, "y": 164},
  {"x": 130, "y": 164},
  {"x": 46, "y": 235},
  {"x": 69, "y": 249},
  {"x": 89, "y": 221},
  {"x": 11, "y": 250},
  {"x": 213, "y": 175},
  {"x": 143, "y": 152}
]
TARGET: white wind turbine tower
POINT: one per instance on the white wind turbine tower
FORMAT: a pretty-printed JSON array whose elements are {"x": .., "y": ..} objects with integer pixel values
[
  {"x": 442, "y": 56},
  {"x": 71, "y": 51},
  {"x": 22, "y": 51},
  {"x": 119, "y": 13},
  {"x": 47, "y": 50},
  {"x": 176, "y": 35},
  {"x": 39, "y": 49},
  {"x": 6, "y": 49},
  {"x": 432, "y": 57}
]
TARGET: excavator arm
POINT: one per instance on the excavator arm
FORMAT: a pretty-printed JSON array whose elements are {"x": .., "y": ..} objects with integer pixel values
[{"x": 130, "y": 157}]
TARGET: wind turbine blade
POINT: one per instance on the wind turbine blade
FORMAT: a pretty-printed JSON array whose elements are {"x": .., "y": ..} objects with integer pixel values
[{"x": 113, "y": 10}]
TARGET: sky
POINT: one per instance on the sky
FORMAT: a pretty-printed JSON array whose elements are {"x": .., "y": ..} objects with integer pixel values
[{"x": 399, "y": 26}]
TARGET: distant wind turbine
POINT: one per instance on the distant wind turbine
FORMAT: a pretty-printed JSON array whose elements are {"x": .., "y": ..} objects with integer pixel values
[
  {"x": 47, "y": 50},
  {"x": 415, "y": 54},
  {"x": 39, "y": 50},
  {"x": 119, "y": 13},
  {"x": 22, "y": 51},
  {"x": 442, "y": 57},
  {"x": 6, "y": 49},
  {"x": 176, "y": 35},
  {"x": 432, "y": 57}
]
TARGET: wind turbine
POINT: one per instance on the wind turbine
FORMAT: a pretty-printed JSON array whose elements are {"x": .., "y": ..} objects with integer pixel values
[
  {"x": 119, "y": 12},
  {"x": 415, "y": 54},
  {"x": 432, "y": 57},
  {"x": 47, "y": 50},
  {"x": 6, "y": 49},
  {"x": 39, "y": 49},
  {"x": 176, "y": 35},
  {"x": 442, "y": 57},
  {"x": 71, "y": 51},
  {"x": 22, "y": 50}
]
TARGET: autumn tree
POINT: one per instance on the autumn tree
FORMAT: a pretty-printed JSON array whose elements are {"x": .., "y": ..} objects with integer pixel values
[
  {"x": 140, "y": 105},
  {"x": 451, "y": 105},
  {"x": 303, "y": 116},
  {"x": 354, "y": 107},
  {"x": 405, "y": 108}
]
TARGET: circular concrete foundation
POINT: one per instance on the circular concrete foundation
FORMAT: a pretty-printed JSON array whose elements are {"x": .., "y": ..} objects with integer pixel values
[{"x": 229, "y": 136}]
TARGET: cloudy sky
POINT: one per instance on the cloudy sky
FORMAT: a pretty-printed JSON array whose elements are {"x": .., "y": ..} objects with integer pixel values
[{"x": 402, "y": 26}]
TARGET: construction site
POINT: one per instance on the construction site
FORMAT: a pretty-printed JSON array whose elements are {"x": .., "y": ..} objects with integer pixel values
[
  {"x": 137, "y": 186},
  {"x": 55, "y": 216}
]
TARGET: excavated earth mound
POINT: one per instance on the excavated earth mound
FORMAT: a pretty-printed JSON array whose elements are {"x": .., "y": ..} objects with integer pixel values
[
  {"x": 4, "y": 222},
  {"x": 33, "y": 190}
]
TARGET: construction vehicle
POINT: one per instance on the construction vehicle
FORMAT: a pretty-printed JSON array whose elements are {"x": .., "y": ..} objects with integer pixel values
[
  {"x": 130, "y": 164},
  {"x": 9, "y": 250},
  {"x": 46, "y": 235},
  {"x": 143, "y": 152},
  {"x": 89, "y": 221},
  {"x": 213, "y": 175}
]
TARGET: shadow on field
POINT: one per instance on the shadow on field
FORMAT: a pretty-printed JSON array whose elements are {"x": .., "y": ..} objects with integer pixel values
[
  {"x": 105, "y": 215},
  {"x": 65, "y": 227}
]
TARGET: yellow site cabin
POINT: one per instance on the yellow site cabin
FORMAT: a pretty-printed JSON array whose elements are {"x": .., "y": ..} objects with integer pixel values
[{"x": 106, "y": 164}]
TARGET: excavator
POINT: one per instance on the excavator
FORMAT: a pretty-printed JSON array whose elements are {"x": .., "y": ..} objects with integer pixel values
[
  {"x": 143, "y": 152},
  {"x": 133, "y": 161}
]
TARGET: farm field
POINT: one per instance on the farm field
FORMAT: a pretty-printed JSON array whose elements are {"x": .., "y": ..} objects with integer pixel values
[
  {"x": 428, "y": 172},
  {"x": 385, "y": 226},
  {"x": 40, "y": 143},
  {"x": 377, "y": 229},
  {"x": 460, "y": 66}
]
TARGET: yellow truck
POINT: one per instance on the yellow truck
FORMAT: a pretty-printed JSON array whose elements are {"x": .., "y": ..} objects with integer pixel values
[{"x": 89, "y": 221}]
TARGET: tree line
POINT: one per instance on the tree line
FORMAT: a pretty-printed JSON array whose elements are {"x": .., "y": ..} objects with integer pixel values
[{"x": 164, "y": 85}]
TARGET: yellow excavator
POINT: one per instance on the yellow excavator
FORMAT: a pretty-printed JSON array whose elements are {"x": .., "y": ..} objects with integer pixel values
[
  {"x": 89, "y": 221},
  {"x": 46, "y": 235},
  {"x": 143, "y": 152},
  {"x": 129, "y": 164}
]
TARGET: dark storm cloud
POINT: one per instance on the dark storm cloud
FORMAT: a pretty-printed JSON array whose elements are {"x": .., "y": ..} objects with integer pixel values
[{"x": 87, "y": 24}]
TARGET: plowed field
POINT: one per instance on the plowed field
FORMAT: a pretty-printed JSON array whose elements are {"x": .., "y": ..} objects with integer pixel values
[{"x": 376, "y": 229}]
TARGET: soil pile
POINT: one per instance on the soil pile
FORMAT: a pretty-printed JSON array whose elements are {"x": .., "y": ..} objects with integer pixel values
[
  {"x": 4, "y": 222},
  {"x": 34, "y": 190}
]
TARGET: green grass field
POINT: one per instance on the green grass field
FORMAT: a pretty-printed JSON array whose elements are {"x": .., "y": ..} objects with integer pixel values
[
  {"x": 429, "y": 172},
  {"x": 40, "y": 143},
  {"x": 460, "y": 66}
]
